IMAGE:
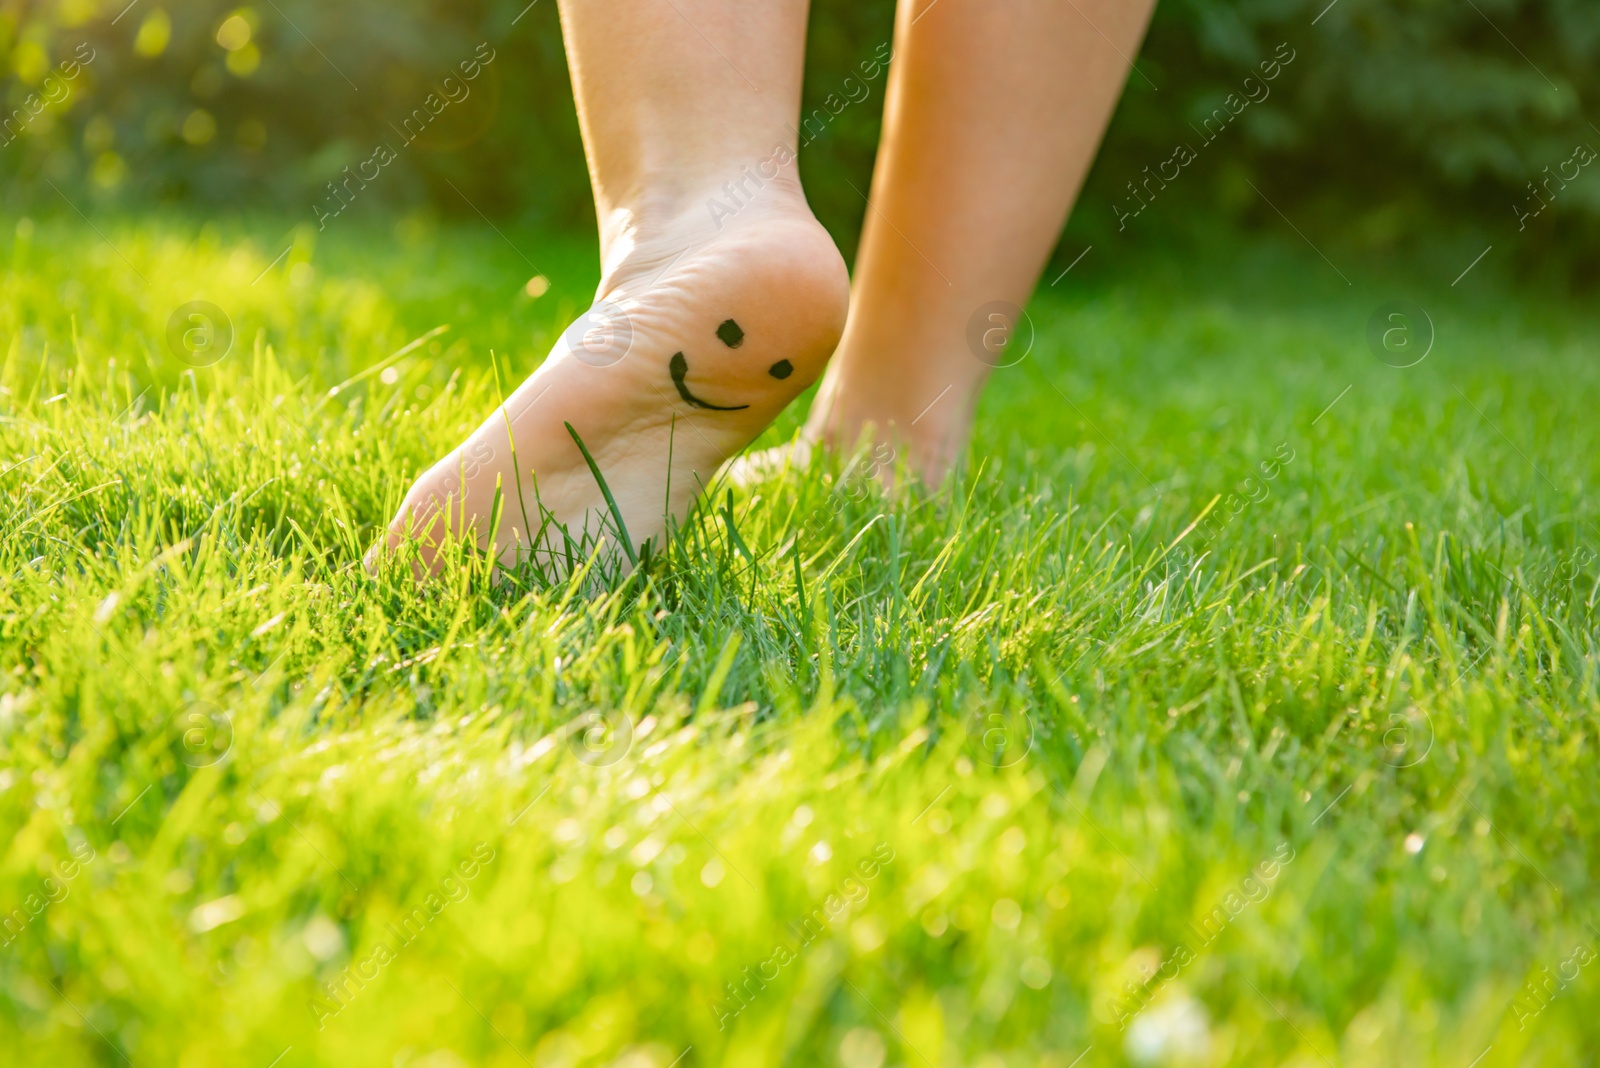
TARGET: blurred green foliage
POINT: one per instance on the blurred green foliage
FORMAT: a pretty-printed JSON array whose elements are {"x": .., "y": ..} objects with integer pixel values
[{"x": 1394, "y": 117}]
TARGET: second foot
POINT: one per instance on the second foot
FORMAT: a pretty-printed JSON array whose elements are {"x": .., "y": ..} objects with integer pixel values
[{"x": 924, "y": 423}]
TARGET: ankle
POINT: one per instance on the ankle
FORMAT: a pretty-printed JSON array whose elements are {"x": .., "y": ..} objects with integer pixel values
[{"x": 674, "y": 213}]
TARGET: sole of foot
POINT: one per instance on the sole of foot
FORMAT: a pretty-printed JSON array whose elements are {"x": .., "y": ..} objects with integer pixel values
[{"x": 695, "y": 343}]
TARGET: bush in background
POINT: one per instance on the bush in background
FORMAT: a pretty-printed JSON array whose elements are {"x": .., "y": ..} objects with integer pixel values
[{"x": 1391, "y": 120}]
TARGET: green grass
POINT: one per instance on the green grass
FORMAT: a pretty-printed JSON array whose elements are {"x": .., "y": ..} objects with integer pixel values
[{"x": 1021, "y": 738}]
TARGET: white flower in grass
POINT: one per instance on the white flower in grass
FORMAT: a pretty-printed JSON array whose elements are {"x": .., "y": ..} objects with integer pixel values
[
  {"x": 1175, "y": 1029},
  {"x": 323, "y": 937},
  {"x": 862, "y": 1048}
]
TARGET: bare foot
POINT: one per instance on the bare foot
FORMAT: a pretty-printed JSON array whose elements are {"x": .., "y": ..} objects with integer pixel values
[
  {"x": 909, "y": 372},
  {"x": 924, "y": 421},
  {"x": 912, "y": 403},
  {"x": 700, "y": 335}
]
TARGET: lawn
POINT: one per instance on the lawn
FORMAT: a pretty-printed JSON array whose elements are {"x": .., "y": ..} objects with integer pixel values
[{"x": 1235, "y": 708}]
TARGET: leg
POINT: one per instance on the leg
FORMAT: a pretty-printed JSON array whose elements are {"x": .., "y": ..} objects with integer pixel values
[
  {"x": 720, "y": 299},
  {"x": 993, "y": 115}
]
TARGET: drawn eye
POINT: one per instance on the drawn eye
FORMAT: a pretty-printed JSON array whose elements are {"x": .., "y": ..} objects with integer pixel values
[{"x": 730, "y": 334}]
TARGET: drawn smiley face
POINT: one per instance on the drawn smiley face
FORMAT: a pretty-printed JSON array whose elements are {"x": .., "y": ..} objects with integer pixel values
[{"x": 731, "y": 335}]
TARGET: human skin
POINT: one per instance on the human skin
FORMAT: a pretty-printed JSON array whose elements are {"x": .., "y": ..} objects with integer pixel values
[
  {"x": 721, "y": 297},
  {"x": 993, "y": 116},
  {"x": 681, "y": 105}
]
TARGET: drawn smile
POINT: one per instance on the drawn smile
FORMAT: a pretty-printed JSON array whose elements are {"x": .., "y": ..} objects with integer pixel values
[
  {"x": 680, "y": 371},
  {"x": 731, "y": 335}
]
